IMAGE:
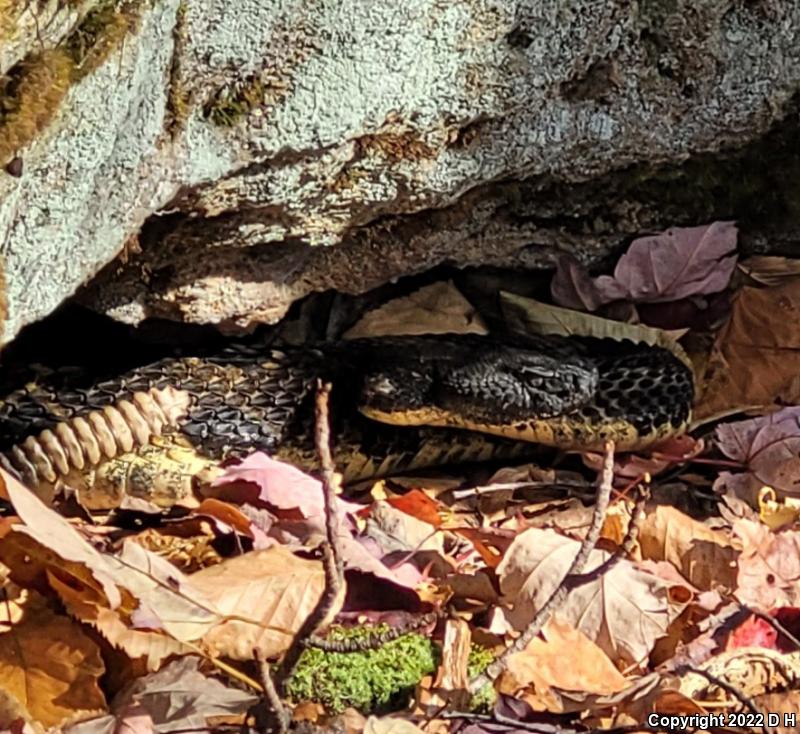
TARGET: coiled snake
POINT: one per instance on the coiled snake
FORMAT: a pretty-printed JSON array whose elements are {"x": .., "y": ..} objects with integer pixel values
[{"x": 565, "y": 392}]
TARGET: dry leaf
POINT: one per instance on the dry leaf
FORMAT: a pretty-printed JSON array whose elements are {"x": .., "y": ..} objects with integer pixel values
[
  {"x": 396, "y": 530},
  {"x": 676, "y": 264},
  {"x": 756, "y": 356},
  {"x": 51, "y": 666},
  {"x": 538, "y": 672},
  {"x": 167, "y": 598},
  {"x": 435, "y": 309},
  {"x": 151, "y": 647},
  {"x": 534, "y": 317},
  {"x": 624, "y": 611},
  {"x": 417, "y": 504},
  {"x": 161, "y": 593},
  {"x": 389, "y": 725},
  {"x": 54, "y": 533},
  {"x": 704, "y": 556},
  {"x": 768, "y": 449},
  {"x": 273, "y": 588},
  {"x": 769, "y": 566},
  {"x": 177, "y": 698},
  {"x": 770, "y": 270},
  {"x": 280, "y": 485}
]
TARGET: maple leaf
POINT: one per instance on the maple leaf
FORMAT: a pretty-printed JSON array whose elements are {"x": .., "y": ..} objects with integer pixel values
[
  {"x": 624, "y": 611},
  {"x": 769, "y": 566},
  {"x": 768, "y": 449},
  {"x": 672, "y": 265}
]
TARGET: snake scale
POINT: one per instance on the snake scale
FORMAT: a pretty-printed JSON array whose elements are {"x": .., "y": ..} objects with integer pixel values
[{"x": 397, "y": 401}]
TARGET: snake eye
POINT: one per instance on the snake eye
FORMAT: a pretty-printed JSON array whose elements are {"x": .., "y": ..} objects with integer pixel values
[{"x": 396, "y": 390}]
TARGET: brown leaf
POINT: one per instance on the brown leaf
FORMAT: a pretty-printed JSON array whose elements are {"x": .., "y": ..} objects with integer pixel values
[
  {"x": 152, "y": 647},
  {"x": 161, "y": 594},
  {"x": 770, "y": 270},
  {"x": 51, "y": 666},
  {"x": 538, "y": 673},
  {"x": 273, "y": 588},
  {"x": 755, "y": 360},
  {"x": 704, "y": 556},
  {"x": 390, "y": 725},
  {"x": 435, "y": 309},
  {"x": 534, "y": 317},
  {"x": 624, "y": 611},
  {"x": 177, "y": 698},
  {"x": 53, "y": 532},
  {"x": 678, "y": 263},
  {"x": 396, "y": 530}
]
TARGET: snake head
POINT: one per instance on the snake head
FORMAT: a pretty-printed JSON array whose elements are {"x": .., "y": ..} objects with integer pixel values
[{"x": 491, "y": 386}]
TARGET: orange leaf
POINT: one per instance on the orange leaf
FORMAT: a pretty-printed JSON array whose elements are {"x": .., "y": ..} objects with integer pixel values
[{"x": 417, "y": 504}]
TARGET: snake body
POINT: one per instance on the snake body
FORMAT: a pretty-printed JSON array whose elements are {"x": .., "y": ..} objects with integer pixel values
[{"x": 562, "y": 392}]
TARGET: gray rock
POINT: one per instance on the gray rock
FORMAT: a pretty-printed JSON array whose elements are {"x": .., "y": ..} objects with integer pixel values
[{"x": 246, "y": 157}]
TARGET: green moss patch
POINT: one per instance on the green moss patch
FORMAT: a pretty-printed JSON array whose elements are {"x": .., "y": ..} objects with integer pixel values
[
  {"x": 373, "y": 680},
  {"x": 29, "y": 97},
  {"x": 234, "y": 101},
  {"x": 99, "y": 34},
  {"x": 31, "y": 92}
]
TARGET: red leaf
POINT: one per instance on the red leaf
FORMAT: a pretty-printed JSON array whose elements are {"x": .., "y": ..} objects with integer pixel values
[{"x": 753, "y": 632}]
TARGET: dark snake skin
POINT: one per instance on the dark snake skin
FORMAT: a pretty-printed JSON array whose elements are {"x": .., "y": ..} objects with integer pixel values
[{"x": 565, "y": 392}]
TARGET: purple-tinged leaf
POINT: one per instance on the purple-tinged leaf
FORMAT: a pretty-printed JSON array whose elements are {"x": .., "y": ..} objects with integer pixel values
[
  {"x": 672, "y": 265},
  {"x": 769, "y": 451}
]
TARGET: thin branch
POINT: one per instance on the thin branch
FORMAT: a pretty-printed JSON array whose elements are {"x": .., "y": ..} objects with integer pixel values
[
  {"x": 732, "y": 691},
  {"x": 270, "y": 713},
  {"x": 460, "y": 494},
  {"x": 559, "y": 595},
  {"x": 625, "y": 548},
  {"x": 332, "y": 554},
  {"x": 374, "y": 640},
  {"x": 322, "y": 439}
]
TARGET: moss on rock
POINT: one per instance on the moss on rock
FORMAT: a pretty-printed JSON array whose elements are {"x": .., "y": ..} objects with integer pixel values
[
  {"x": 29, "y": 97},
  {"x": 32, "y": 91}
]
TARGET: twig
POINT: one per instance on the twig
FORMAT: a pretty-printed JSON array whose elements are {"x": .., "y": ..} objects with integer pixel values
[
  {"x": 625, "y": 548},
  {"x": 332, "y": 554},
  {"x": 460, "y": 494},
  {"x": 322, "y": 440},
  {"x": 559, "y": 596},
  {"x": 732, "y": 691},
  {"x": 270, "y": 713},
  {"x": 373, "y": 640}
]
